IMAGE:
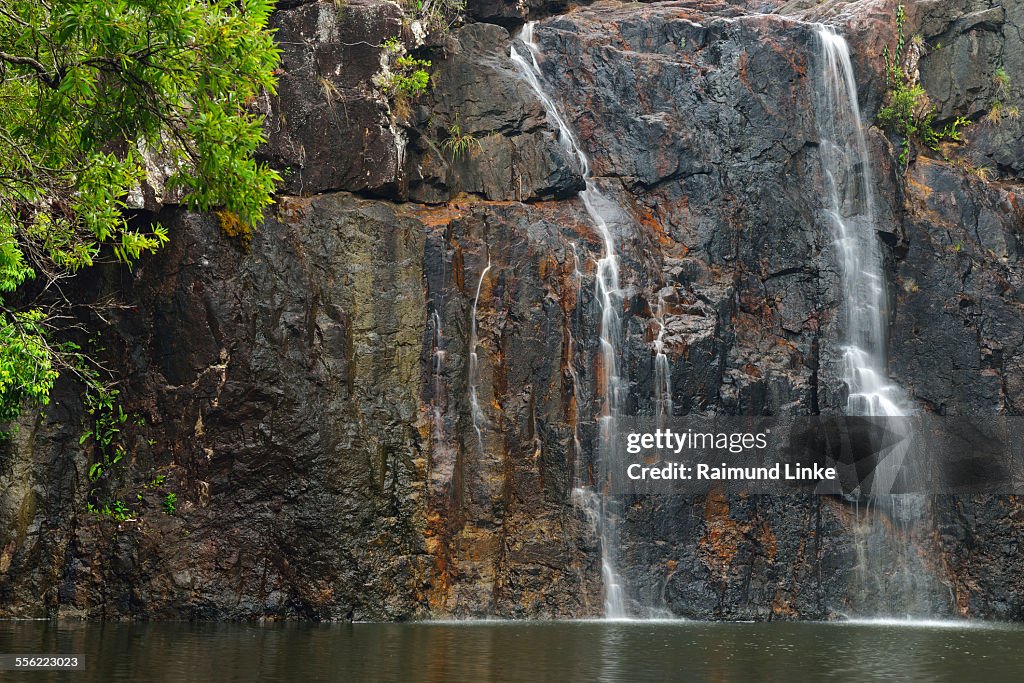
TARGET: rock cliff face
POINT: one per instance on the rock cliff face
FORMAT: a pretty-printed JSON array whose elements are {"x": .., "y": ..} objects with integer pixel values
[{"x": 308, "y": 397}]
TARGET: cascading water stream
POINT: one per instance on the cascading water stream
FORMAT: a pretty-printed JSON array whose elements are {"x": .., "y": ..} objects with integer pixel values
[
  {"x": 577, "y": 447},
  {"x": 662, "y": 370},
  {"x": 438, "y": 370},
  {"x": 847, "y": 167},
  {"x": 844, "y": 152},
  {"x": 474, "y": 364},
  {"x": 597, "y": 502},
  {"x": 851, "y": 210}
]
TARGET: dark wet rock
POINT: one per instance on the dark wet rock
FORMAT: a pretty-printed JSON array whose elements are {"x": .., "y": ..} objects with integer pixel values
[
  {"x": 961, "y": 59},
  {"x": 309, "y": 399},
  {"x": 328, "y": 127},
  {"x": 971, "y": 68},
  {"x": 983, "y": 576},
  {"x": 959, "y": 317},
  {"x": 707, "y": 170},
  {"x": 513, "y": 13},
  {"x": 514, "y": 154},
  {"x": 262, "y": 381},
  {"x": 506, "y": 538}
]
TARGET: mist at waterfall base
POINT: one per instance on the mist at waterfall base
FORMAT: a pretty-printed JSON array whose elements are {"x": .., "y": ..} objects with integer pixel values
[{"x": 517, "y": 651}]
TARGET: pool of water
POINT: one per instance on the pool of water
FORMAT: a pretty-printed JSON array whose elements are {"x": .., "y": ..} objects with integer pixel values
[{"x": 518, "y": 651}]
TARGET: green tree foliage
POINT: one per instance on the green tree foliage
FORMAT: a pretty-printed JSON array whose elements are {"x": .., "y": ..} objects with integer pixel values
[
  {"x": 88, "y": 90},
  {"x": 26, "y": 371}
]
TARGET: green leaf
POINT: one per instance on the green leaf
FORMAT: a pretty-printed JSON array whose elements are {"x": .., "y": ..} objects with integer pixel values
[{"x": 98, "y": 87}]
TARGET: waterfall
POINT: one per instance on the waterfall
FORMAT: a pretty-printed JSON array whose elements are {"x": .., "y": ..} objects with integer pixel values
[
  {"x": 885, "y": 563},
  {"x": 474, "y": 364},
  {"x": 851, "y": 208},
  {"x": 597, "y": 502}
]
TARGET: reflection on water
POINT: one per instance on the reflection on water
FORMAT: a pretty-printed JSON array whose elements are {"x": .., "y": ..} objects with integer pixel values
[{"x": 508, "y": 651}]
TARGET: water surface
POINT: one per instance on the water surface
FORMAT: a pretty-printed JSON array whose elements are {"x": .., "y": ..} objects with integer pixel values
[{"x": 510, "y": 651}]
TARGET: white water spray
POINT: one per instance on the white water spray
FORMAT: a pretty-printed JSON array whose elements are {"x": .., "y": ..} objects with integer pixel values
[
  {"x": 597, "y": 502},
  {"x": 851, "y": 209}
]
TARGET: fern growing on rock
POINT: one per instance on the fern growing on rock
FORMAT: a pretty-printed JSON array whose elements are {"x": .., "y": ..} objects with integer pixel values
[{"x": 907, "y": 110}]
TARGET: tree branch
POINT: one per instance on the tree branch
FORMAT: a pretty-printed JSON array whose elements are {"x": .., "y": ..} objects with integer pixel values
[{"x": 44, "y": 75}]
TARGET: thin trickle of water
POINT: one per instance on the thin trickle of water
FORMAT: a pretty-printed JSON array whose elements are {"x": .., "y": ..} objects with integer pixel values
[
  {"x": 474, "y": 364},
  {"x": 577, "y": 447},
  {"x": 438, "y": 371},
  {"x": 662, "y": 371},
  {"x": 576, "y": 272},
  {"x": 598, "y": 503},
  {"x": 442, "y": 455}
]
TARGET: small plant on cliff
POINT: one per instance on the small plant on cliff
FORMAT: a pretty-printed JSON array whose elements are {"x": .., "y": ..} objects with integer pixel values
[
  {"x": 170, "y": 503},
  {"x": 410, "y": 77},
  {"x": 1000, "y": 109},
  {"x": 404, "y": 78},
  {"x": 438, "y": 15},
  {"x": 1002, "y": 81},
  {"x": 907, "y": 109},
  {"x": 459, "y": 143},
  {"x": 117, "y": 511},
  {"x": 106, "y": 416}
]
